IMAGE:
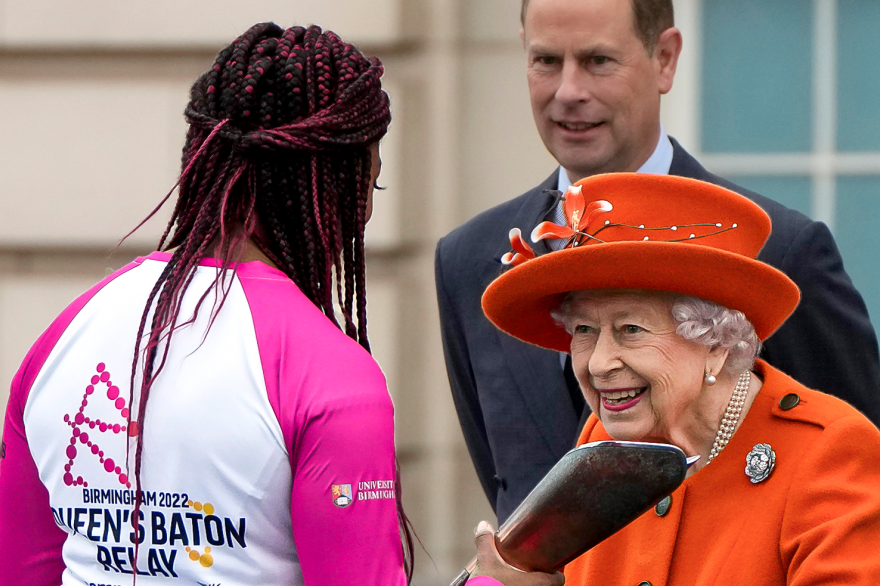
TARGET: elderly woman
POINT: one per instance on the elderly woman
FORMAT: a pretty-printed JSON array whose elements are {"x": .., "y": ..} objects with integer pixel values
[{"x": 659, "y": 299}]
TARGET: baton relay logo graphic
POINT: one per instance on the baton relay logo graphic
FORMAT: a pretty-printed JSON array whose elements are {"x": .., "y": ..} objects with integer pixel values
[
  {"x": 169, "y": 523},
  {"x": 87, "y": 432}
]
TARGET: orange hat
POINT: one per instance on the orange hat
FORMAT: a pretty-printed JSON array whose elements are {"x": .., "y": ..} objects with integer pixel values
[{"x": 637, "y": 231}]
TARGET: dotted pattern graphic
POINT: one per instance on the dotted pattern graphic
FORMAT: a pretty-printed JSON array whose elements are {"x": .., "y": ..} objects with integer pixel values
[
  {"x": 82, "y": 426},
  {"x": 206, "y": 559}
]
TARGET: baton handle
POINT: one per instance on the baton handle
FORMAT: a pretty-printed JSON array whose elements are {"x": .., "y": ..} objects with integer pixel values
[{"x": 465, "y": 573}]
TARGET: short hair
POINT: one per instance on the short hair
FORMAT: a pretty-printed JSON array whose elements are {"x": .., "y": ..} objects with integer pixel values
[
  {"x": 702, "y": 322},
  {"x": 713, "y": 325},
  {"x": 651, "y": 18}
]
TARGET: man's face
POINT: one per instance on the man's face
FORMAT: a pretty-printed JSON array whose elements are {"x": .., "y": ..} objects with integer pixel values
[{"x": 595, "y": 90}]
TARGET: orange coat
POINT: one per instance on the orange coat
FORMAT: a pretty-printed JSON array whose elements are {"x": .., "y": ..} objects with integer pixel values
[{"x": 815, "y": 520}]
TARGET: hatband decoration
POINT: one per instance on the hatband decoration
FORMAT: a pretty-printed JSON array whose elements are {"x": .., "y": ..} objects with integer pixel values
[{"x": 638, "y": 231}]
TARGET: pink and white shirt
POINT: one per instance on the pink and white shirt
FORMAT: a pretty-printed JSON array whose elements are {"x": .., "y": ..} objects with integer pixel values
[{"x": 268, "y": 445}]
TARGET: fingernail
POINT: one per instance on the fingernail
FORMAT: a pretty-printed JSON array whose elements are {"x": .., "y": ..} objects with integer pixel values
[{"x": 483, "y": 527}]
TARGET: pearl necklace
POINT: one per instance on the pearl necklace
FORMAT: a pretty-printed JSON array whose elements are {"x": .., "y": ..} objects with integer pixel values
[{"x": 731, "y": 415}]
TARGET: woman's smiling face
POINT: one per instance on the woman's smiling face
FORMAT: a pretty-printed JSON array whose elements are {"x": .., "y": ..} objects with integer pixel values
[{"x": 643, "y": 380}]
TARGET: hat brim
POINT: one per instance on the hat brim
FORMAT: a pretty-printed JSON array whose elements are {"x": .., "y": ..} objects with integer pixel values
[{"x": 519, "y": 302}]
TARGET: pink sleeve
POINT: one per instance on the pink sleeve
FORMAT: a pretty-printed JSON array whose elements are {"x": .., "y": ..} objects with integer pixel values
[
  {"x": 30, "y": 541},
  {"x": 484, "y": 581},
  {"x": 337, "y": 419},
  {"x": 350, "y": 445}
]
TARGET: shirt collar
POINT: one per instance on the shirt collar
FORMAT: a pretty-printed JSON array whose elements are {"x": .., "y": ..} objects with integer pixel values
[{"x": 657, "y": 164}]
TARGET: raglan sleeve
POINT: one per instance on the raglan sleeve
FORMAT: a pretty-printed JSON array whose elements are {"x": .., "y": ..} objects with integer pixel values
[
  {"x": 30, "y": 541},
  {"x": 344, "y": 494}
]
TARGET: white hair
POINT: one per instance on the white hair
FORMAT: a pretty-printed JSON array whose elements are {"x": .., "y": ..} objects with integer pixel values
[
  {"x": 710, "y": 324},
  {"x": 700, "y": 321}
]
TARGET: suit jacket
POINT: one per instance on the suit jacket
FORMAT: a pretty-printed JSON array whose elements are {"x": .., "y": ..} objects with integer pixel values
[
  {"x": 515, "y": 410},
  {"x": 814, "y": 520}
]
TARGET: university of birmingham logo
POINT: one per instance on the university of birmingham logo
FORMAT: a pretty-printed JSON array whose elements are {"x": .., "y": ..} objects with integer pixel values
[{"x": 341, "y": 495}]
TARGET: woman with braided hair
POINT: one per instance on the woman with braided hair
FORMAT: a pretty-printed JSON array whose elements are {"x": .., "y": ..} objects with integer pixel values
[{"x": 210, "y": 414}]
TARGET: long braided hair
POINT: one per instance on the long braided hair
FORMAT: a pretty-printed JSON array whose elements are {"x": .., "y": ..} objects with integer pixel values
[{"x": 278, "y": 153}]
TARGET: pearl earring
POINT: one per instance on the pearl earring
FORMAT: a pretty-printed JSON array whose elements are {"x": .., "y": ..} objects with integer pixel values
[{"x": 710, "y": 379}]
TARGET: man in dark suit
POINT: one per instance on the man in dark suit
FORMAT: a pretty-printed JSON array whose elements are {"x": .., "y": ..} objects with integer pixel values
[{"x": 596, "y": 71}]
